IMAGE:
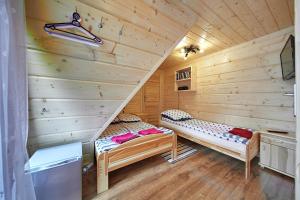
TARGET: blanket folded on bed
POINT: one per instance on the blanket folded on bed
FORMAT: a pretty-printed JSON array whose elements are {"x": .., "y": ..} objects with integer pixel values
[
  {"x": 150, "y": 131},
  {"x": 123, "y": 138},
  {"x": 241, "y": 132}
]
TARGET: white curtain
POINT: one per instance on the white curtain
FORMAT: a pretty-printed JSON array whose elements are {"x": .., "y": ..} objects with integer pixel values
[{"x": 13, "y": 103}]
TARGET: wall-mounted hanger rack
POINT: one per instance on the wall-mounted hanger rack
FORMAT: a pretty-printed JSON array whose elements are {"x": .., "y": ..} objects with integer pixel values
[{"x": 59, "y": 30}]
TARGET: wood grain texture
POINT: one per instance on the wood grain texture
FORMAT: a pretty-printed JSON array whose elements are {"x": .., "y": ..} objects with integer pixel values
[
  {"x": 241, "y": 86},
  {"x": 277, "y": 7},
  {"x": 76, "y": 90},
  {"x": 142, "y": 14},
  {"x": 263, "y": 14},
  {"x": 51, "y": 65},
  {"x": 130, "y": 152},
  {"x": 54, "y": 88},
  {"x": 147, "y": 103},
  {"x": 114, "y": 28},
  {"x": 297, "y": 62},
  {"x": 226, "y": 23},
  {"x": 47, "y": 140},
  {"x": 46, "y": 108},
  {"x": 57, "y": 125},
  {"x": 205, "y": 175}
]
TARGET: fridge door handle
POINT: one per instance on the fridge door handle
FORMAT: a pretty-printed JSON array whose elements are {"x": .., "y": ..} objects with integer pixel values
[{"x": 56, "y": 164}]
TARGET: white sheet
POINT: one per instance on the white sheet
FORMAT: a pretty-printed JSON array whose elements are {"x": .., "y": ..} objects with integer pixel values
[
  {"x": 135, "y": 127},
  {"x": 114, "y": 129},
  {"x": 237, "y": 147},
  {"x": 104, "y": 143}
]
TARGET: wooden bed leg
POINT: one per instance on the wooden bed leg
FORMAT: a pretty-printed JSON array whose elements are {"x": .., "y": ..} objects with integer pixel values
[
  {"x": 102, "y": 173},
  {"x": 247, "y": 169},
  {"x": 174, "y": 147}
]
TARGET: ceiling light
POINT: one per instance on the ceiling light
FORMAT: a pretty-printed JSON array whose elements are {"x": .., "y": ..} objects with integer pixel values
[
  {"x": 202, "y": 40},
  {"x": 190, "y": 49}
]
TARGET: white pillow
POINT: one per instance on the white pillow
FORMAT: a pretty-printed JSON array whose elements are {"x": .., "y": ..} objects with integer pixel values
[
  {"x": 125, "y": 117},
  {"x": 176, "y": 115}
]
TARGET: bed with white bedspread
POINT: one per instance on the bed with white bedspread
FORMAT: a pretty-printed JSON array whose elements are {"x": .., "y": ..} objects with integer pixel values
[
  {"x": 111, "y": 155},
  {"x": 212, "y": 135},
  {"x": 104, "y": 143}
]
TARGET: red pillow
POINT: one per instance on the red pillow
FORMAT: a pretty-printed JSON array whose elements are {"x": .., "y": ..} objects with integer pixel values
[{"x": 241, "y": 132}]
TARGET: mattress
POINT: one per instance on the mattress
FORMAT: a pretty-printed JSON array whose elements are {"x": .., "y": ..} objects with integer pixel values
[
  {"x": 208, "y": 132},
  {"x": 104, "y": 143}
]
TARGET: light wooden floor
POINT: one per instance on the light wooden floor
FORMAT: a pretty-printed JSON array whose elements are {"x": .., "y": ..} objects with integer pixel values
[{"x": 205, "y": 175}]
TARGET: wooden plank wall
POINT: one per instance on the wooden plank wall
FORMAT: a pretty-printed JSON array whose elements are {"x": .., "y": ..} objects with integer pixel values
[
  {"x": 241, "y": 86},
  {"x": 297, "y": 55},
  {"x": 76, "y": 90},
  {"x": 147, "y": 102}
]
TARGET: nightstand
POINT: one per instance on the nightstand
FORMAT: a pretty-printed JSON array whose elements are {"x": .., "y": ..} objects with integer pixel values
[{"x": 278, "y": 152}]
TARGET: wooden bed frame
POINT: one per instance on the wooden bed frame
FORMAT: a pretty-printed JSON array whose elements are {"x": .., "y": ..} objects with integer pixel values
[
  {"x": 252, "y": 148},
  {"x": 131, "y": 152}
]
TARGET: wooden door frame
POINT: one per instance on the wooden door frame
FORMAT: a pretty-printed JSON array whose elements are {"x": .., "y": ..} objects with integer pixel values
[{"x": 297, "y": 104}]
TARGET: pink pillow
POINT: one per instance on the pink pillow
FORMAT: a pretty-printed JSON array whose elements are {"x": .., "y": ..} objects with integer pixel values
[{"x": 150, "y": 131}]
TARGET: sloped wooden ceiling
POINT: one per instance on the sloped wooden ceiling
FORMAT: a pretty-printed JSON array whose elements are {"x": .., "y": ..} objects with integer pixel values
[
  {"x": 225, "y": 23},
  {"x": 76, "y": 90}
]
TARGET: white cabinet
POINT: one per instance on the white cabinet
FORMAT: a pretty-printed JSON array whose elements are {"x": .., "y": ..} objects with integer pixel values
[
  {"x": 265, "y": 153},
  {"x": 277, "y": 152}
]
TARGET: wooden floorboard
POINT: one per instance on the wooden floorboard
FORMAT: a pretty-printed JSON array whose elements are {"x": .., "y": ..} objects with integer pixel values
[{"x": 205, "y": 175}]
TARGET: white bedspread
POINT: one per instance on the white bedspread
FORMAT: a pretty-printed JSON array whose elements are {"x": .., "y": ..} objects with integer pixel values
[
  {"x": 210, "y": 132},
  {"x": 104, "y": 143}
]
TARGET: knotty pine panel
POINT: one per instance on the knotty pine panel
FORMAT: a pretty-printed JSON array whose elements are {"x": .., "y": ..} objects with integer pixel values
[
  {"x": 76, "y": 90},
  {"x": 147, "y": 102},
  {"x": 241, "y": 86}
]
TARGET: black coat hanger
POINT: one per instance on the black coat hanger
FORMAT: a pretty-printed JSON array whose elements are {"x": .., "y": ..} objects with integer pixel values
[{"x": 59, "y": 30}]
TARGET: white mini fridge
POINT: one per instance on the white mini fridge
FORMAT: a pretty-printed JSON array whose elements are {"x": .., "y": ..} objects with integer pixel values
[{"x": 57, "y": 172}]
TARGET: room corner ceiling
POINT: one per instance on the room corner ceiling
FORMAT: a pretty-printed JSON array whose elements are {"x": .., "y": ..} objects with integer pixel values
[{"x": 226, "y": 23}]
